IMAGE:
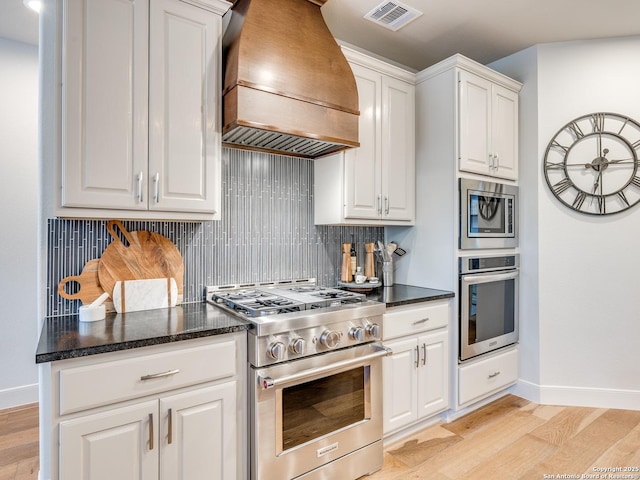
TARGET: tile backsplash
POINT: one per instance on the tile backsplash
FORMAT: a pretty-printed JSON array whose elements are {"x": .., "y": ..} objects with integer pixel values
[{"x": 266, "y": 233}]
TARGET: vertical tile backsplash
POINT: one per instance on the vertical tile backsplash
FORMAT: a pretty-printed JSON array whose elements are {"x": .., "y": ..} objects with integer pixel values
[{"x": 266, "y": 233}]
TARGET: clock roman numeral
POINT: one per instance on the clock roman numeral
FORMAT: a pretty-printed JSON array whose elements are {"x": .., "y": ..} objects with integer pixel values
[
  {"x": 623, "y": 197},
  {"x": 554, "y": 166},
  {"x": 579, "y": 200},
  {"x": 626, "y": 120},
  {"x": 636, "y": 145},
  {"x": 602, "y": 204},
  {"x": 636, "y": 181},
  {"x": 575, "y": 129},
  {"x": 597, "y": 122},
  {"x": 562, "y": 186},
  {"x": 555, "y": 144}
]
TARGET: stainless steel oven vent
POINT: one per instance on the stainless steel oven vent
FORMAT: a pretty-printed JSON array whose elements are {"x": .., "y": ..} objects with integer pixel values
[{"x": 393, "y": 15}]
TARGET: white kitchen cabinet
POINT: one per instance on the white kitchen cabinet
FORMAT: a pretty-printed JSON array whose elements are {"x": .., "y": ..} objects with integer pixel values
[
  {"x": 140, "y": 132},
  {"x": 373, "y": 184},
  {"x": 488, "y": 127},
  {"x": 184, "y": 436},
  {"x": 488, "y": 374},
  {"x": 108, "y": 416},
  {"x": 416, "y": 375}
]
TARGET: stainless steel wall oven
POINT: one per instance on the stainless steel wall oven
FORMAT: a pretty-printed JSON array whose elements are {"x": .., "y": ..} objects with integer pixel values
[
  {"x": 488, "y": 303},
  {"x": 488, "y": 215}
]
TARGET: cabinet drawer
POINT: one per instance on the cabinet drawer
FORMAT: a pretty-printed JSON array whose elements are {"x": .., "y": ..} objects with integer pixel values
[
  {"x": 104, "y": 383},
  {"x": 487, "y": 376},
  {"x": 410, "y": 319}
]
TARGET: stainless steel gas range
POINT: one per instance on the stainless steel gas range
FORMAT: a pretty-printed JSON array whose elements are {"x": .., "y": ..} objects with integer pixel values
[{"x": 315, "y": 372}]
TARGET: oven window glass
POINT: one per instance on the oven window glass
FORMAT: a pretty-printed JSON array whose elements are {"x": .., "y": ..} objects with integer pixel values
[
  {"x": 486, "y": 214},
  {"x": 491, "y": 310},
  {"x": 313, "y": 409}
]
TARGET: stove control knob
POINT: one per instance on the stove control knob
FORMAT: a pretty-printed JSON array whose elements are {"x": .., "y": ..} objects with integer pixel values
[
  {"x": 297, "y": 346},
  {"x": 330, "y": 339},
  {"x": 356, "y": 333},
  {"x": 373, "y": 329},
  {"x": 275, "y": 350}
]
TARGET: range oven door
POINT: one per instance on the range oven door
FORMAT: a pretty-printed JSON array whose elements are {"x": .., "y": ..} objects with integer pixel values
[
  {"x": 488, "y": 312},
  {"x": 309, "y": 412}
]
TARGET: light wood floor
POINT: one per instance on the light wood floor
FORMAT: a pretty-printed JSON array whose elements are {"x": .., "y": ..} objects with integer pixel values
[
  {"x": 509, "y": 439},
  {"x": 513, "y": 438}
]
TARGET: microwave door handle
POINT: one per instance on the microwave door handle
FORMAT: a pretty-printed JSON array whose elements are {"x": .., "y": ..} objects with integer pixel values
[
  {"x": 486, "y": 278},
  {"x": 266, "y": 382}
]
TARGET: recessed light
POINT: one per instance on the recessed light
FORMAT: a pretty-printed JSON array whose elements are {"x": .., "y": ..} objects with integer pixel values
[{"x": 35, "y": 5}]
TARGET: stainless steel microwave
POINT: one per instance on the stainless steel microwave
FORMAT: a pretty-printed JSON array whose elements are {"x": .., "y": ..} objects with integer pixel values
[{"x": 488, "y": 215}]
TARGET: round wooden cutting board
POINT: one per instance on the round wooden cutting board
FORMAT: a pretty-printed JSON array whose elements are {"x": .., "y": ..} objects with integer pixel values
[{"x": 145, "y": 255}]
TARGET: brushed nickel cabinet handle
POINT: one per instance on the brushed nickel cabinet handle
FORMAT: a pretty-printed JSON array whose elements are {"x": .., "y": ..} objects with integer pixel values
[
  {"x": 424, "y": 354},
  {"x": 386, "y": 203},
  {"x": 417, "y": 356},
  {"x": 170, "y": 429},
  {"x": 418, "y": 322},
  {"x": 160, "y": 375},
  {"x": 156, "y": 187},
  {"x": 494, "y": 374},
  {"x": 140, "y": 177},
  {"x": 151, "y": 431},
  {"x": 379, "y": 204}
]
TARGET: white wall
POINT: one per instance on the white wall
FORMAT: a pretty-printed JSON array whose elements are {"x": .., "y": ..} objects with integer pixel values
[
  {"x": 19, "y": 216},
  {"x": 586, "y": 286}
]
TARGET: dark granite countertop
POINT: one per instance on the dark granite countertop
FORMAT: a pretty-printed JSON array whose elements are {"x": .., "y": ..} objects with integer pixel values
[
  {"x": 66, "y": 337},
  {"x": 397, "y": 295}
]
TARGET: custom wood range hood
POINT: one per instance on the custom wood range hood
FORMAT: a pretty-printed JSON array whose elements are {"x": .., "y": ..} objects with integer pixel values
[{"x": 288, "y": 88}]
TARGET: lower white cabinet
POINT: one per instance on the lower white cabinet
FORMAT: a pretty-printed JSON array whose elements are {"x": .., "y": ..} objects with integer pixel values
[
  {"x": 415, "y": 380},
  {"x": 183, "y": 419},
  {"x": 480, "y": 378},
  {"x": 416, "y": 375},
  {"x": 186, "y": 436}
]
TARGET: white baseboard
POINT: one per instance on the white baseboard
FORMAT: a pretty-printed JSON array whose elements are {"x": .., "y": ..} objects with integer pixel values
[
  {"x": 14, "y": 397},
  {"x": 578, "y": 396}
]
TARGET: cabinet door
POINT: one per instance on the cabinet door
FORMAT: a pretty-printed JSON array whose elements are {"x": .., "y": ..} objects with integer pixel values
[
  {"x": 474, "y": 127},
  {"x": 104, "y": 103},
  {"x": 433, "y": 380},
  {"x": 504, "y": 132},
  {"x": 363, "y": 197},
  {"x": 398, "y": 150},
  {"x": 184, "y": 140},
  {"x": 400, "y": 385},
  {"x": 198, "y": 434},
  {"x": 121, "y": 443}
]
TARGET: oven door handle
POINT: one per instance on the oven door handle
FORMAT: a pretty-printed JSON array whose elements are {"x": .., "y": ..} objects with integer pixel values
[
  {"x": 492, "y": 277},
  {"x": 267, "y": 382}
]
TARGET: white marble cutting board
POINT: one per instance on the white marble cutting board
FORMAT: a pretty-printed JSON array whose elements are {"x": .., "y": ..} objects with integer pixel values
[{"x": 136, "y": 295}]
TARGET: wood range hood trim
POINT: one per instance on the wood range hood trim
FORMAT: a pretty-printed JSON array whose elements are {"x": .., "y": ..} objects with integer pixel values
[{"x": 288, "y": 88}]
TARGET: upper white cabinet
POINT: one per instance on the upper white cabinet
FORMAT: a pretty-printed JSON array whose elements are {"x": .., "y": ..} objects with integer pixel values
[
  {"x": 488, "y": 136},
  {"x": 375, "y": 183},
  {"x": 140, "y": 132}
]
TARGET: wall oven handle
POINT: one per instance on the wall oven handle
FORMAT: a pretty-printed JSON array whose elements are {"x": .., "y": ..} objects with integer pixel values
[
  {"x": 266, "y": 382},
  {"x": 494, "y": 277}
]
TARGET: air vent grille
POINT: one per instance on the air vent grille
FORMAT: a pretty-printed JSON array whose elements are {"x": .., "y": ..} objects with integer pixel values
[
  {"x": 392, "y": 15},
  {"x": 248, "y": 137}
]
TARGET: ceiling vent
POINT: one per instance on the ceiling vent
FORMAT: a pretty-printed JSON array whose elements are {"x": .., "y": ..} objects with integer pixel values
[{"x": 392, "y": 15}]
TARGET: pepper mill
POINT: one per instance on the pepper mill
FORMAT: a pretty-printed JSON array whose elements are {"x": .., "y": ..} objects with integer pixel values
[
  {"x": 345, "y": 275},
  {"x": 369, "y": 266}
]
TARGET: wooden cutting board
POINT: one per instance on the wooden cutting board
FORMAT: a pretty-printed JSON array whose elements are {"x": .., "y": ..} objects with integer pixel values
[
  {"x": 90, "y": 287},
  {"x": 144, "y": 255}
]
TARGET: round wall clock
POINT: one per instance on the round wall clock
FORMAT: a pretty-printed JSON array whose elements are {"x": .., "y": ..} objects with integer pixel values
[{"x": 591, "y": 164}]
